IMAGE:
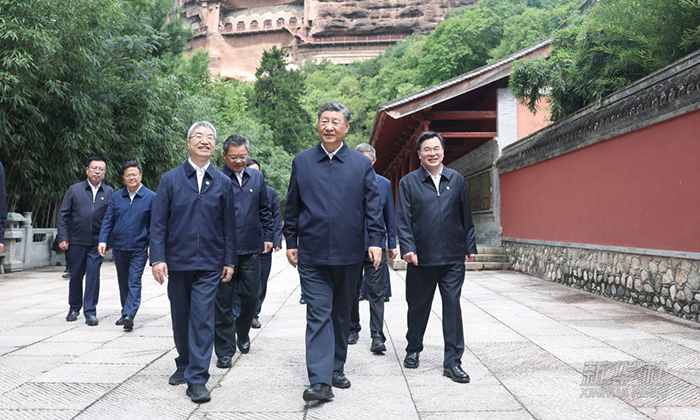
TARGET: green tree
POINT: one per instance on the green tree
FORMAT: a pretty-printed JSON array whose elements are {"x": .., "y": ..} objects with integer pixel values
[
  {"x": 78, "y": 80},
  {"x": 276, "y": 101},
  {"x": 611, "y": 45}
]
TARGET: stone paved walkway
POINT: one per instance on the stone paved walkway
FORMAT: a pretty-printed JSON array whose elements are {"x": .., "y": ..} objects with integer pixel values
[{"x": 534, "y": 350}]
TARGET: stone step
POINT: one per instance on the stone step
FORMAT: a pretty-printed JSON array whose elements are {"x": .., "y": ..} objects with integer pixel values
[
  {"x": 478, "y": 266},
  {"x": 472, "y": 266},
  {"x": 491, "y": 258},
  {"x": 489, "y": 250}
]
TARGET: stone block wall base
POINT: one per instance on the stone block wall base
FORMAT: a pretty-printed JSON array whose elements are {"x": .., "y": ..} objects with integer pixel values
[{"x": 664, "y": 284}]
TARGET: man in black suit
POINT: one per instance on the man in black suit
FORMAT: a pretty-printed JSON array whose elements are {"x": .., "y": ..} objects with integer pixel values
[
  {"x": 254, "y": 231},
  {"x": 79, "y": 223},
  {"x": 332, "y": 197},
  {"x": 435, "y": 224}
]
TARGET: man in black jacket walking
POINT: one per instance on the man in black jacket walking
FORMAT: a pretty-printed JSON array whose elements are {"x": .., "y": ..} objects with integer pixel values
[
  {"x": 435, "y": 224},
  {"x": 79, "y": 223}
]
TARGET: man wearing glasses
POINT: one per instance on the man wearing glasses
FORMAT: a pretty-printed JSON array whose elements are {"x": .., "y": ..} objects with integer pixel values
[
  {"x": 193, "y": 246},
  {"x": 436, "y": 237},
  {"x": 254, "y": 231},
  {"x": 79, "y": 223},
  {"x": 126, "y": 225}
]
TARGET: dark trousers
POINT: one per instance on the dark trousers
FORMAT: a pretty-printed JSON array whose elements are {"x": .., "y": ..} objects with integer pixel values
[
  {"x": 192, "y": 295},
  {"x": 328, "y": 291},
  {"x": 387, "y": 284},
  {"x": 265, "y": 268},
  {"x": 376, "y": 287},
  {"x": 420, "y": 289},
  {"x": 130, "y": 265},
  {"x": 84, "y": 261},
  {"x": 245, "y": 284}
]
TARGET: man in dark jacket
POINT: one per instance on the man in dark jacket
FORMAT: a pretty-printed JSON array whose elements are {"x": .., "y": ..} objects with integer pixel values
[
  {"x": 332, "y": 198},
  {"x": 193, "y": 245},
  {"x": 435, "y": 227},
  {"x": 266, "y": 257},
  {"x": 253, "y": 236},
  {"x": 127, "y": 224},
  {"x": 376, "y": 279},
  {"x": 79, "y": 223}
]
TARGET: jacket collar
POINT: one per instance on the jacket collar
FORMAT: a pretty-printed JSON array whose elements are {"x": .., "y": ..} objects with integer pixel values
[
  {"x": 189, "y": 170},
  {"x": 340, "y": 154},
  {"x": 89, "y": 186},
  {"x": 425, "y": 175}
]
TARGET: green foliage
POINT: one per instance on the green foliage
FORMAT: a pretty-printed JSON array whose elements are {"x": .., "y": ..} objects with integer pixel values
[
  {"x": 612, "y": 45},
  {"x": 276, "y": 101}
]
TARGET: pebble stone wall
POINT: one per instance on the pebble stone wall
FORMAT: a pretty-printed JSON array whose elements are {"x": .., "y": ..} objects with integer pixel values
[{"x": 664, "y": 284}]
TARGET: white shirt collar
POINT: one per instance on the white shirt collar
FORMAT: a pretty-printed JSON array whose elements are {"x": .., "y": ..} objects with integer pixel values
[{"x": 331, "y": 155}]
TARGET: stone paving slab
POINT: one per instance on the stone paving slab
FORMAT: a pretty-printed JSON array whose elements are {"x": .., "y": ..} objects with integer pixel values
[{"x": 531, "y": 345}]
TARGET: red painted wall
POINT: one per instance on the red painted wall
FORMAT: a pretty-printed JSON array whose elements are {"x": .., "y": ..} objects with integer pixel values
[{"x": 639, "y": 190}]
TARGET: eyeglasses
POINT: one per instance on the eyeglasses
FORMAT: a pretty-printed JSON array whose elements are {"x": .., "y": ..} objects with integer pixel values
[
  {"x": 200, "y": 137},
  {"x": 238, "y": 158},
  {"x": 427, "y": 150},
  {"x": 97, "y": 169},
  {"x": 132, "y": 176}
]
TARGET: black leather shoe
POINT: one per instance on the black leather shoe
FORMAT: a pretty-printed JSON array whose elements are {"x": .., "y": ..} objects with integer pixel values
[
  {"x": 318, "y": 392},
  {"x": 120, "y": 321},
  {"x": 244, "y": 345},
  {"x": 224, "y": 362},
  {"x": 377, "y": 345},
  {"x": 353, "y": 337},
  {"x": 128, "y": 323},
  {"x": 303, "y": 302},
  {"x": 198, "y": 393},
  {"x": 411, "y": 360},
  {"x": 72, "y": 316},
  {"x": 456, "y": 374},
  {"x": 66, "y": 275},
  {"x": 339, "y": 379},
  {"x": 177, "y": 378},
  {"x": 386, "y": 298},
  {"x": 91, "y": 320},
  {"x": 255, "y": 324}
]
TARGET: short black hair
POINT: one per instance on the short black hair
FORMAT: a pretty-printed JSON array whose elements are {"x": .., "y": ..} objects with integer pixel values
[
  {"x": 131, "y": 164},
  {"x": 335, "y": 107},
  {"x": 427, "y": 135},
  {"x": 236, "y": 140},
  {"x": 253, "y": 161},
  {"x": 95, "y": 159}
]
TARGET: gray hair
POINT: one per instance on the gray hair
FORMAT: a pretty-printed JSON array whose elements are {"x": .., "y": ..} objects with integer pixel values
[
  {"x": 367, "y": 148},
  {"x": 335, "y": 107},
  {"x": 236, "y": 140},
  {"x": 200, "y": 124}
]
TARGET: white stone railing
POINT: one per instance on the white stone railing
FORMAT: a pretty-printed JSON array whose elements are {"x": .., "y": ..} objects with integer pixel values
[{"x": 27, "y": 247}]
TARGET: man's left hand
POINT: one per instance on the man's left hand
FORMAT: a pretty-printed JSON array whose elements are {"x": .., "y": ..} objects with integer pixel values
[
  {"x": 393, "y": 253},
  {"x": 375, "y": 255},
  {"x": 227, "y": 273},
  {"x": 469, "y": 257},
  {"x": 268, "y": 247}
]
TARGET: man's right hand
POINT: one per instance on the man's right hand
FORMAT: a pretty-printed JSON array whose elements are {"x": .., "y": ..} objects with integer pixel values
[
  {"x": 160, "y": 272},
  {"x": 293, "y": 257},
  {"x": 63, "y": 245},
  {"x": 411, "y": 258},
  {"x": 102, "y": 249}
]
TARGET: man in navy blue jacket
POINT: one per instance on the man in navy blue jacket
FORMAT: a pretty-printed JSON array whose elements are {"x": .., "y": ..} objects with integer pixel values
[
  {"x": 79, "y": 223},
  {"x": 376, "y": 279},
  {"x": 253, "y": 236},
  {"x": 266, "y": 257},
  {"x": 126, "y": 225},
  {"x": 435, "y": 225},
  {"x": 332, "y": 197},
  {"x": 193, "y": 245}
]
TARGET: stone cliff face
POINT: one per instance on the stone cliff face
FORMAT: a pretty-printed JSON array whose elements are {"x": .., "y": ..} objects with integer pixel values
[{"x": 339, "y": 17}]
